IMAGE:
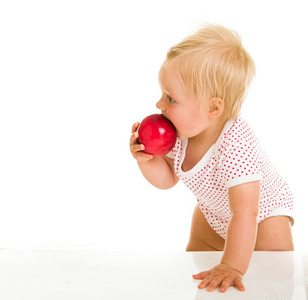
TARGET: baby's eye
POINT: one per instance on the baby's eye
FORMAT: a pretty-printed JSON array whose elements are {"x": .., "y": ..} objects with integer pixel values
[{"x": 170, "y": 99}]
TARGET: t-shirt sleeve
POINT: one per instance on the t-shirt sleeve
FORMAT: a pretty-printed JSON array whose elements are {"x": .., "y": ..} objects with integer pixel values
[{"x": 241, "y": 165}]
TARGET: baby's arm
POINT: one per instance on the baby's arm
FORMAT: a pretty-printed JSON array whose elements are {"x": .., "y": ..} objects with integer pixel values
[
  {"x": 240, "y": 241},
  {"x": 158, "y": 171},
  {"x": 242, "y": 231}
]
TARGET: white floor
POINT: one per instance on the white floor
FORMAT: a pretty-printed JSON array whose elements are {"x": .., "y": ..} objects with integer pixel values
[{"x": 91, "y": 275}]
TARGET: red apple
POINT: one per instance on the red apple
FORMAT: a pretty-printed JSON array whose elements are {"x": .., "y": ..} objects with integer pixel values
[{"x": 157, "y": 134}]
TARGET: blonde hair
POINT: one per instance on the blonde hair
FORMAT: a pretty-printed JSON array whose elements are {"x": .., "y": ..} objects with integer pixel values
[{"x": 213, "y": 63}]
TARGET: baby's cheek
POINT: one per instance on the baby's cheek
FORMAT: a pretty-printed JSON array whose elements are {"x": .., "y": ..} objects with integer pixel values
[{"x": 185, "y": 130}]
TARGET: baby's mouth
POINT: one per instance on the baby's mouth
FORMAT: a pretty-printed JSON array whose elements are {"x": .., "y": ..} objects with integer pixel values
[{"x": 177, "y": 133}]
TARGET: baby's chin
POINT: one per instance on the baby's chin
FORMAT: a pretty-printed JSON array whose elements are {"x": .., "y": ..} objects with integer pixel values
[{"x": 180, "y": 136}]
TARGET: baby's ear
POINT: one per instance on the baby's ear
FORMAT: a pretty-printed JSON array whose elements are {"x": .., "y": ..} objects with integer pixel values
[{"x": 216, "y": 107}]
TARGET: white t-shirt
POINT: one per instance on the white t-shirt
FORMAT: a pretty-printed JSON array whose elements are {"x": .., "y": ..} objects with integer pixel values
[{"x": 235, "y": 158}]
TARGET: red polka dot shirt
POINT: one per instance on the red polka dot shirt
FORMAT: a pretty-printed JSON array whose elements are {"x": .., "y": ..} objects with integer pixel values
[{"x": 235, "y": 158}]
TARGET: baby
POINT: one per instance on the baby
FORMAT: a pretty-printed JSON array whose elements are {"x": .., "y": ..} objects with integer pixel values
[{"x": 243, "y": 204}]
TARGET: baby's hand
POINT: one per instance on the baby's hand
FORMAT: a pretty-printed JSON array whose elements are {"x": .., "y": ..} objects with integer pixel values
[
  {"x": 135, "y": 148},
  {"x": 222, "y": 276}
]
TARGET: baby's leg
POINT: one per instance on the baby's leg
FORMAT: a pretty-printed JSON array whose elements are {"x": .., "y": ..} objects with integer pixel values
[
  {"x": 202, "y": 236},
  {"x": 275, "y": 234}
]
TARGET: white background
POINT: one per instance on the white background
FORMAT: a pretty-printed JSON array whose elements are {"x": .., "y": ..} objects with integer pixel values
[{"x": 74, "y": 77}]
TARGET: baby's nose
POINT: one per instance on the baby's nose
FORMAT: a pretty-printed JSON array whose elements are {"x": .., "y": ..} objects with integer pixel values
[{"x": 159, "y": 104}]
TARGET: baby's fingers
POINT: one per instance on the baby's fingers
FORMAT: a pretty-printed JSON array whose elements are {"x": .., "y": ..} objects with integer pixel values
[
  {"x": 228, "y": 281},
  {"x": 237, "y": 282},
  {"x": 133, "y": 143},
  {"x": 136, "y": 147},
  {"x": 225, "y": 284},
  {"x": 133, "y": 138},
  {"x": 213, "y": 284},
  {"x": 201, "y": 275},
  {"x": 141, "y": 156},
  {"x": 135, "y": 127}
]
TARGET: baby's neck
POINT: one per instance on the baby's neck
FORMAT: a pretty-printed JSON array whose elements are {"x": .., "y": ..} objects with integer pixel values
[
  {"x": 211, "y": 134},
  {"x": 200, "y": 144}
]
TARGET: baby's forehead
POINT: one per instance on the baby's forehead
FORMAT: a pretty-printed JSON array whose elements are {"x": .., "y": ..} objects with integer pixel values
[
  {"x": 170, "y": 68},
  {"x": 171, "y": 74}
]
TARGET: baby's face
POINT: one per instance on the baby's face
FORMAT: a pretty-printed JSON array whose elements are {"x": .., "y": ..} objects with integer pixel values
[{"x": 180, "y": 106}]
